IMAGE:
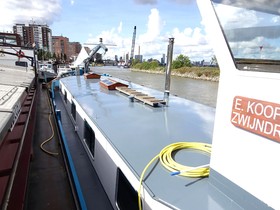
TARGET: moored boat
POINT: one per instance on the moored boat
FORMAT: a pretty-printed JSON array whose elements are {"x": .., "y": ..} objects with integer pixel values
[
  {"x": 17, "y": 121},
  {"x": 126, "y": 134},
  {"x": 132, "y": 147}
]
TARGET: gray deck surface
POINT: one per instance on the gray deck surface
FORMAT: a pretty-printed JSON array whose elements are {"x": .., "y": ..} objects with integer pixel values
[
  {"x": 48, "y": 186},
  {"x": 139, "y": 132}
]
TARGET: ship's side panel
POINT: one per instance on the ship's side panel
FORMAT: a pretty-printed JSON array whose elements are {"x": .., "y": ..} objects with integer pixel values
[
  {"x": 17, "y": 120},
  {"x": 246, "y": 146}
]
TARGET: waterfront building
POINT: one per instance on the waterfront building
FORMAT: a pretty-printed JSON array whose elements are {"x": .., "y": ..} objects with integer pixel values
[
  {"x": 61, "y": 47},
  {"x": 74, "y": 50},
  {"x": 41, "y": 35}
]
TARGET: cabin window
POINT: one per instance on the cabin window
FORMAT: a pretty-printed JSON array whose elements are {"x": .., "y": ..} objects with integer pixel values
[
  {"x": 252, "y": 32},
  {"x": 65, "y": 97},
  {"x": 89, "y": 137},
  {"x": 73, "y": 110},
  {"x": 127, "y": 197}
]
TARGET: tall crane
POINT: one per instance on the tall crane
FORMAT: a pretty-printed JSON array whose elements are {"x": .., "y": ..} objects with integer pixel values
[
  {"x": 92, "y": 53},
  {"x": 133, "y": 44}
]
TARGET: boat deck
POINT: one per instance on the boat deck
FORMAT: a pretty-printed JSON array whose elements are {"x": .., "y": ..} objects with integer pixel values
[
  {"x": 49, "y": 187},
  {"x": 138, "y": 132}
]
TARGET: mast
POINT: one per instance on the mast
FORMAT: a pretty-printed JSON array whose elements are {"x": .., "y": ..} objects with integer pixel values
[{"x": 168, "y": 68}]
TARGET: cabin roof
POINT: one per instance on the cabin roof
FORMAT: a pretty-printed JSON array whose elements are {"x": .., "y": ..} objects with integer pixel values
[{"x": 139, "y": 132}]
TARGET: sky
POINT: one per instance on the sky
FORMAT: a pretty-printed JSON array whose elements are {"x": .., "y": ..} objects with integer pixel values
[{"x": 86, "y": 21}]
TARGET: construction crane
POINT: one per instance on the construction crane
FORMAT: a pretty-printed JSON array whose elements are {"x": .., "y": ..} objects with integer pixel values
[
  {"x": 133, "y": 44},
  {"x": 92, "y": 53}
]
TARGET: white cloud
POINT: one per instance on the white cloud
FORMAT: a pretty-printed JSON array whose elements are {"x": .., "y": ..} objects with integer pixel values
[
  {"x": 230, "y": 17},
  {"x": 276, "y": 19},
  {"x": 153, "y": 27},
  {"x": 191, "y": 42},
  {"x": 188, "y": 41},
  {"x": 120, "y": 27},
  {"x": 18, "y": 11}
]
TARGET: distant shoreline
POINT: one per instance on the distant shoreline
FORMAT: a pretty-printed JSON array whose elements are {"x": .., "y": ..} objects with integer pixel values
[{"x": 190, "y": 75}]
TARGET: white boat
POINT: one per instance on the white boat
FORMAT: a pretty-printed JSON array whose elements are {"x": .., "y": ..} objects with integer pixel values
[
  {"x": 245, "y": 38},
  {"x": 131, "y": 147},
  {"x": 46, "y": 71},
  {"x": 126, "y": 136},
  {"x": 64, "y": 70},
  {"x": 17, "y": 122}
]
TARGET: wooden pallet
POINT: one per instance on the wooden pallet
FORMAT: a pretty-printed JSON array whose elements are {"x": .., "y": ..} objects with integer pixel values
[{"x": 146, "y": 99}]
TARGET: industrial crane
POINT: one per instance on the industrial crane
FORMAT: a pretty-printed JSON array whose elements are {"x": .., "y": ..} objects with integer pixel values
[{"x": 92, "y": 53}]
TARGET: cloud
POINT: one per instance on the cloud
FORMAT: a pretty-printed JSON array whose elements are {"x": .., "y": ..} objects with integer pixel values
[
  {"x": 153, "y": 27},
  {"x": 120, "y": 27},
  {"x": 18, "y": 11},
  {"x": 275, "y": 19},
  {"x": 146, "y": 2},
  {"x": 254, "y": 31},
  {"x": 72, "y": 2},
  {"x": 248, "y": 34},
  {"x": 230, "y": 17},
  {"x": 266, "y": 6},
  {"x": 153, "y": 43}
]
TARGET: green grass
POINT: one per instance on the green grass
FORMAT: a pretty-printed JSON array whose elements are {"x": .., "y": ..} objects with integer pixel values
[{"x": 199, "y": 71}]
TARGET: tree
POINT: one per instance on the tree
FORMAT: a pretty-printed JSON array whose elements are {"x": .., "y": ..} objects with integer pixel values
[
  {"x": 135, "y": 62},
  {"x": 154, "y": 64},
  {"x": 44, "y": 55},
  {"x": 181, "y": 61}
]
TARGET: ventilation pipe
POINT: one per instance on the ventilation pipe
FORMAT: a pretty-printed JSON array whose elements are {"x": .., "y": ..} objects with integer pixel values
[{"x": 168, "y": 69}]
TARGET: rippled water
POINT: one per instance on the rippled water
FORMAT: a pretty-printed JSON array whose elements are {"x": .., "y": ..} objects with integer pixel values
[{"x": 204, "y": 92}]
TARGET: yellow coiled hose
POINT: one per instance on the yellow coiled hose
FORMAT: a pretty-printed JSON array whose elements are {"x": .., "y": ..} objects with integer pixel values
[
  {"x": 166, "y": 159},
  {"x": 52, "y": 130}
]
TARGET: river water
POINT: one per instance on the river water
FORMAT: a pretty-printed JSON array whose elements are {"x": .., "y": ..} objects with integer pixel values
[{"x": 201, "y": 91}]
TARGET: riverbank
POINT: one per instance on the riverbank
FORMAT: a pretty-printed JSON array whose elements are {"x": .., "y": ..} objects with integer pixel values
[
  {"x": 198, "y": 90},
  {"x": 199, "y": 73}
]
